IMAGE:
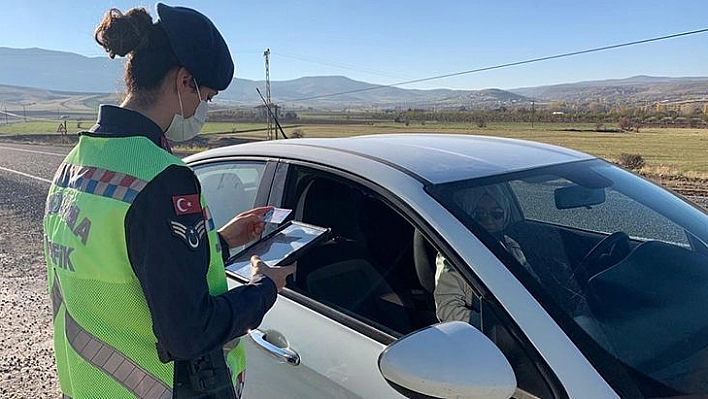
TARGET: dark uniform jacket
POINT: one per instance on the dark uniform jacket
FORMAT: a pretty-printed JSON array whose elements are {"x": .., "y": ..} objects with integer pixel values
[{"x": 187, "y": 321}]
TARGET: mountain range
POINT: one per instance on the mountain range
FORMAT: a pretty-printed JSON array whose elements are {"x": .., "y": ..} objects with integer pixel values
[{"x": 38, "y": 75}]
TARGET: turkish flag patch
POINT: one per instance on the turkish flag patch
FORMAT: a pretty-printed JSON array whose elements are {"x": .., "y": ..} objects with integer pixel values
[{"x": 186, "y": 204}]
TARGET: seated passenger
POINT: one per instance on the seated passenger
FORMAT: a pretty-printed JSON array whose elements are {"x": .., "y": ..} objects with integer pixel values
[{"x": 491, "y": 208}]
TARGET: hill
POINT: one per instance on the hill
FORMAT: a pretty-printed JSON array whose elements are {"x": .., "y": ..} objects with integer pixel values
[
  {"x": 317, "y": 91},
  {"x": 637, "y": 90},
  {"x": 59, "y": 70},
  {"x": 61, "y": 79}
]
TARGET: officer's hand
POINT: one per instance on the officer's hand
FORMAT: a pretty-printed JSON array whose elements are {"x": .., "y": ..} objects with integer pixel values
[
  {"x": 244, "y": 227},
  {"x": 276, "y": 273}
]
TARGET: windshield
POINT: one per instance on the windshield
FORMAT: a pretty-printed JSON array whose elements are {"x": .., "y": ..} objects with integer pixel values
[{"x": 612, "y": 257}]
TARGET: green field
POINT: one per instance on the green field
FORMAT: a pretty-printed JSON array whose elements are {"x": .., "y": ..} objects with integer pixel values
[
  {"x": 681, "y": 151},
  {"x": 684, "y": 150},
  {"x": 36, "y": 127}
]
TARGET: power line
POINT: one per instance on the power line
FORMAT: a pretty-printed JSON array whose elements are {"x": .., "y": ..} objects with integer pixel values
[
  {"x": 510, "y": 64},
  {"x": 342, "y": 66}
]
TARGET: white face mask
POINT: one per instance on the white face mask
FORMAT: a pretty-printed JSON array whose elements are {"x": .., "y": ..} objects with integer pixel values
[{"x": 186, "y": 129}]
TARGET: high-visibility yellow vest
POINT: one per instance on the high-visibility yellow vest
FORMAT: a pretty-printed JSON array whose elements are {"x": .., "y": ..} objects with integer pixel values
[{"x": 103, "y": 338}]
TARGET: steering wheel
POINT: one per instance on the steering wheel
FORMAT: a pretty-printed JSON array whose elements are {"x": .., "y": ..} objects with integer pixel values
[{"x": 604, "y": 254}]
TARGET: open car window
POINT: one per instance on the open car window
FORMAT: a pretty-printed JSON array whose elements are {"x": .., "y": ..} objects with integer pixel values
[{"x": 366, "y": 269}]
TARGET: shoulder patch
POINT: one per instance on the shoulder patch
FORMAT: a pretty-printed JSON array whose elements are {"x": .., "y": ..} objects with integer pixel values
[
  {"x": 191, "y": 235},
  {"x": 186, "y": 204}
]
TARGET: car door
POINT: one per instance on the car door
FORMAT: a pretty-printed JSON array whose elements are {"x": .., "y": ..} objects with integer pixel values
[
  {"x": 314, "y": 343},
  {"x": 333, "y": 360}
]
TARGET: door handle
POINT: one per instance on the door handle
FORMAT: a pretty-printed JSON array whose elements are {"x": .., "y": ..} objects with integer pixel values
[{"x": 285, "y": 353}]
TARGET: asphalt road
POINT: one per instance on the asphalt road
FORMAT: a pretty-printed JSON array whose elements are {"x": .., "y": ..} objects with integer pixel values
[{"x": 26, "y": 354}]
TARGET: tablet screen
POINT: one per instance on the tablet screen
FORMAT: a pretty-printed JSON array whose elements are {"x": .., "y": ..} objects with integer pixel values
[{"x": 275, "y": 247}]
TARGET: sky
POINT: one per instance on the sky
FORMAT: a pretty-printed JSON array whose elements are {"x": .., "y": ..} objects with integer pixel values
[{"x": 388, "y": 42}]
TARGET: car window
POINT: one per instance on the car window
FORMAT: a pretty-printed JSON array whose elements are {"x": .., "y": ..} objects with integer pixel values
[
  {"x": 366, "y": 270},
  {"x": 538, "y": 203},
  {"x": 457, "y": 300},
  {"x": 620, "y": 263},
  {"x": 229, "y": 187}
]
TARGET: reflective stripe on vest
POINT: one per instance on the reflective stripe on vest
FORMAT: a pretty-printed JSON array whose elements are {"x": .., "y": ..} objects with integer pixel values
[
  {"x": 57, "y": 299},
  {"x": 121, "y": 368},
  {"x": 97, "y": 181}
]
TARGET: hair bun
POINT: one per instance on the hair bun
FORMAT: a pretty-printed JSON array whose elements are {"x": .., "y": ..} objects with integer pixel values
[{"x": 120, "y": 34}]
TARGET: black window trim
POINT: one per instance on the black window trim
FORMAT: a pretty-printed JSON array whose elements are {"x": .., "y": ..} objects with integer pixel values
[
  {"x": 266, "y": 179},
  {"x": 485, "y": 295}
]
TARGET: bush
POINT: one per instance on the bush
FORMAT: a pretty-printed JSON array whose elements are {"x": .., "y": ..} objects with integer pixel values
[
  {"x": 297, "y": 134},
  {"x": 625, "y": 124},
  {"x": 631, "y": 161}
]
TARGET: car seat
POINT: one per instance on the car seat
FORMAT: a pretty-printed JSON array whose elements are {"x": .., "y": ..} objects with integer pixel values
[
  {"x": 340, "y": 271},
  {"x": 424, "y": 260},
  {"x": 355, "y": 285},
  {"x": 330, "y": 204}
]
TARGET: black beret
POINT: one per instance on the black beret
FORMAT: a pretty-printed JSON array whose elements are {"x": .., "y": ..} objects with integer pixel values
[{"x": 198, "y": 45}]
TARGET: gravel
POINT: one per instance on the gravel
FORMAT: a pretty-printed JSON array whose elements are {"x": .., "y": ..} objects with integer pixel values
[
  {"x": 702, "y": 201},
  {"x": 26, "y": 351}
]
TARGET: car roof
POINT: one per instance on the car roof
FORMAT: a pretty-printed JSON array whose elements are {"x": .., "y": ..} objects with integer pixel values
[{"x": 436, "y": 158}]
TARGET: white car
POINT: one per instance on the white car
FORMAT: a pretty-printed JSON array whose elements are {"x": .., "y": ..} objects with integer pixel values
[{"x": 610, "y": 301}]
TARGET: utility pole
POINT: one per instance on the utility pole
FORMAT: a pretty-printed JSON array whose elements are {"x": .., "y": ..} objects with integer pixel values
[
  {"x": 533, "y": 112},
  {"x": 269, "y": 119},
  {"x": 25, "y": 104}
]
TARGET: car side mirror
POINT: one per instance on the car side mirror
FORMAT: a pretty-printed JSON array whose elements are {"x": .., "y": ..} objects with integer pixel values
[{"x": 448, "y": 360}]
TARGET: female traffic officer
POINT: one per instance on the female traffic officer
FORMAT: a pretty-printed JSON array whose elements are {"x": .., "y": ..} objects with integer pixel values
[{"x": 135, "y": 266}]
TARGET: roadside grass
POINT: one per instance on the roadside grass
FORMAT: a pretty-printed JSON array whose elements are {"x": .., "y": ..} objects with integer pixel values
[
  {"x": 184, "y": 150},
  {"x": 73, "y": 126},
  {"x": 238, "y": 128},
  {"x": 37, "y": 127}
]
